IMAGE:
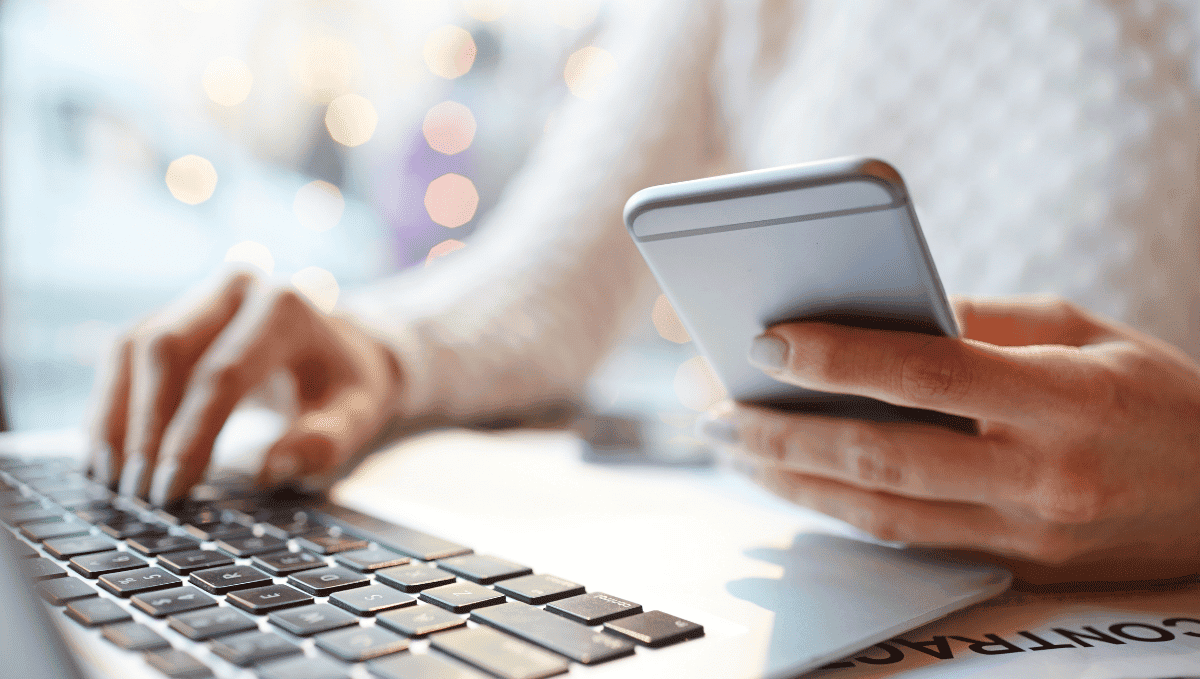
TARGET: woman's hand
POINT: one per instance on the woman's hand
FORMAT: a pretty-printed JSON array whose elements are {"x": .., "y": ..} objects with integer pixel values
[
  {"x": 178, "y": 376},
  {"x": 1087, "y": 462}
]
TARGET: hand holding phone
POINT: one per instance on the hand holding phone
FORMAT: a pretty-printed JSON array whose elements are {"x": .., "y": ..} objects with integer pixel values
[{"x": 834, "y": 241}]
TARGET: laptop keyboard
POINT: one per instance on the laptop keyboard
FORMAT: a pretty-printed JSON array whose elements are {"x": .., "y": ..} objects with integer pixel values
[{"x": 287, "y": 591}]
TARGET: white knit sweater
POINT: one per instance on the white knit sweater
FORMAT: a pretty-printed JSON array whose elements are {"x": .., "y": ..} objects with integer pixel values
[{"x": 1049, "y": 147}]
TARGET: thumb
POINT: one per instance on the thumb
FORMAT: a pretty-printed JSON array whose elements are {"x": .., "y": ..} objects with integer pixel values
[{"x": 318, "y": 442}]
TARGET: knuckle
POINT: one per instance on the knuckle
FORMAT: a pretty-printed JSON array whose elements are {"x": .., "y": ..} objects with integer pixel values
[
  {"x": 871, "y": 459},
  {"x": 934, "y": 371},
  {"x": 1048, "y": 546},
  {"x": 1074, "y": 493}
]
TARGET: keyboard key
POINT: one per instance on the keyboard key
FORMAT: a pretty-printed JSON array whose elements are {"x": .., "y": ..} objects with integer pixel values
[
  {"x": 126, "y": 525},
  {"x": 286, "y": 563},
  {"x": 54, "y": 529},
  {"x": 216, "y": 530},
  {"x": 153, "y": 544},
  {"x": 184, "y": 563},
  {"x": 655, "y": 629},
  {"x": 539, "y": 589},
  {"x": 21, "y": 550},
  {"x": 95, "y": 611},
  {"x": 249, "y": 545},
  {"x": 397, "y": 538},
  {"x": 419, "y": 621},
  {"x": 371, "y": 600},
  {"x": 211, "y": 622},
  {"x": 263, "y": 600},
  {"x": 228, "y": 578},
  {"x": 424, "y": 666},
  {"x": 500, "y": 654},
  {"x": 370, "y": 560},
  {"x": 326, "y": 581},
  {"x": 62, "y": 591},
  {"x": 253, "y": 647},
  {"x": 461, "y": 597},
  {"x": 172, "y": 601},
  {"x": 134, "y": 636},
  {"x": 44, "y": 569},
  {"x": 414, "y": 578},
  {"x": 331, "y": 544},
  {"x": 577, "y": 642},
  {"x": 304, "y": 668},
  {"x": 361, "y": 643},
  {"x": 31, "y": 514},
  {"x": 310, "y": 620},
  {"x": 127, "y": 583},
  {"x": 594, "y": 608},
  {"x": 483, "y": 569},
  {"x": 95, "y": 565},
  {"x": 65, "y": 548},
  {"x": 177, "y": 664}
]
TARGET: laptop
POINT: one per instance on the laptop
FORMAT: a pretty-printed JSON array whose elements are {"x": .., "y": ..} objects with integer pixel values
[{"x": 454, "y": 554}]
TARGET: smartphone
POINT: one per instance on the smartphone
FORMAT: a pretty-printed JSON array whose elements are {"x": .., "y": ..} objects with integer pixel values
[{"x": 834, "y": 241}]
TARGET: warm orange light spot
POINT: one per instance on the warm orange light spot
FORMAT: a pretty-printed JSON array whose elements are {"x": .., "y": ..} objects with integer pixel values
[
  {"x": 319, "y": 286},
  {"x": 227, "y": 81},
  {"x": 451, "y": 200},
  {"x": 191, "y": 179},
  {"x": 319, "y": 205},
  {"x": 255, "y": 254},
  {"x": 442, "y": 249},
  {"x": 697, "y": 385},
  {"x": 588, "y": 71},
  {"x": 487, "y": 10},
  {"x": 351, "y": 119},
  {"x": 326, "y": 67},
  {"x": 449, "y": 127},
  {"x": 667, "y": 323},
  {"x": 449, "y": 51}
]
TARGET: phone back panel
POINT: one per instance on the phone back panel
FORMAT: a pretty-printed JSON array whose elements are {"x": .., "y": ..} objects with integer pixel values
[{"x": 834, "y": 241}]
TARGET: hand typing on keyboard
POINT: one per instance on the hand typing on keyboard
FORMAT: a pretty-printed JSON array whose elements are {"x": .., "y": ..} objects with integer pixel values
[
  {"x": 178, "y": 376},
  {"x": 1086, "y": 465}
]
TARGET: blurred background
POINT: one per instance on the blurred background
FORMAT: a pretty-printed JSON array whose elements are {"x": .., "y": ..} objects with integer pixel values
[{"x": 328, "y": 142}]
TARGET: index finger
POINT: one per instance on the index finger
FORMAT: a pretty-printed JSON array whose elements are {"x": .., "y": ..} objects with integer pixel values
[{"x": 960, "y": 377}]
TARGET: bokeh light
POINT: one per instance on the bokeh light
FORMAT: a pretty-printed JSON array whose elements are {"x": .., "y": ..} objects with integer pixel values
[
  {"x": 191, "y": 179},
  {"x": 667, "y": 323},
  {"x": 449, "y": 127},
  {"x": 319, "y": 205},
  {"x": 227, "y": 81},
  {"x": 697, "y": 385},
  {"x": 573, "y": 14},
  {"x": 252, "y": 253},
  {"x": 318, "y": 285},
  {"x": 351, "y": 119},
  {"x": 487, "y": 10},
  {"x": 588, "y": 71},
  {"x": 442, "y": 249},
  {"x": 449, "y": 51},
  {"x": 451, "y": 200},
  {"x": 326, "y": 67}
]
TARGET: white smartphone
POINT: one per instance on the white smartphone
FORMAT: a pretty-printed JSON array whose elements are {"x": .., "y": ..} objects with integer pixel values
[{"x": 834, "y": 240}]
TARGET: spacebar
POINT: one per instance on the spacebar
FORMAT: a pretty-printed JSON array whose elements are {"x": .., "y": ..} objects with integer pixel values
[{"x": 407, "y": 541}]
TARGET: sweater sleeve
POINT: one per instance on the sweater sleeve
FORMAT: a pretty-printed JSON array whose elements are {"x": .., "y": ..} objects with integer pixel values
[{"x": 520, "y": 317}]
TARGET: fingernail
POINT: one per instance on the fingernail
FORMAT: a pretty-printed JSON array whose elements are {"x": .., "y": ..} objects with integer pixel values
[
  {"x": 768, "y": 353},
  {"x": 282, "y": 468},
  {"x": 131, "y": 478},
  {"x": 164, "y": 478},
  {"x": 718, "y": 429}
]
